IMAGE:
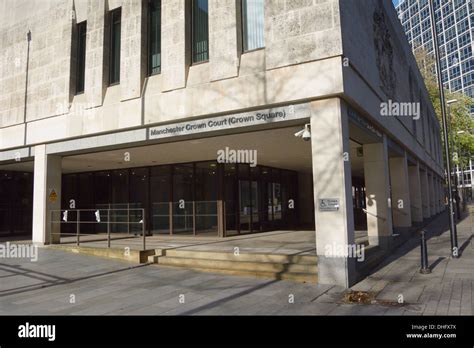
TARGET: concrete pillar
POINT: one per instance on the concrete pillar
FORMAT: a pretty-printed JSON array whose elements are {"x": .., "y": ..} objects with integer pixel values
[
  {"x": 46, "y": 195},
  {"x": 174, "y": 53},
  {"x": 401, "y": 205},
  {"x": 332, "y": 180},
  {"x": 377, "y": 182},
  {"x": 438, "y": 195},
  {"x": 431, "y": 193},
  {"x": 425, "y": 197},
  {"x": 415, "y": 193},
  {"x": 224, "y": 44},
  {"x": 443, "y": 200}
]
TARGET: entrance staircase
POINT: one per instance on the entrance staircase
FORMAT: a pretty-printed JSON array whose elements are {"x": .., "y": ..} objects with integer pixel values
[{"x": 299, "y": 268}]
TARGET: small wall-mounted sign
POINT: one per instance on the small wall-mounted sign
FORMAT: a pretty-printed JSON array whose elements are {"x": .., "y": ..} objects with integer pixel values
[{"x": 329, "y": 204}]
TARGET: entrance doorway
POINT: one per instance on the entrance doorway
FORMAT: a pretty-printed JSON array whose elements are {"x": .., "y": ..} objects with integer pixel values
[
  {"x": 16, "y": 203},
  {"x": 261, "y": 193}
]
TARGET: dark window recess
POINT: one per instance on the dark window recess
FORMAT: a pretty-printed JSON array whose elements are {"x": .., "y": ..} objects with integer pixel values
[
  {"x": 115, "y": 28},
  {"x": 81, "y": 56},
  {"x": 200, "y": 30},
  {"x": 154, "y": 56}
]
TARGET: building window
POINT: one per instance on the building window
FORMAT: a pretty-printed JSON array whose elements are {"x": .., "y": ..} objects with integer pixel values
[
  {"x": 154, "y": 56},
  {"x": 200, "y": 31},
  {"x": 115, "y": 28},
  {"x": 253, "y": 22},
  {"x": 81, "y": 56}
]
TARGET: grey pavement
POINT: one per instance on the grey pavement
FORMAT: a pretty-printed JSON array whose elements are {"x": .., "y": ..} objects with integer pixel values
[
  {"x": 65, "y": 283},
  {"x": 448, "y": 290}
]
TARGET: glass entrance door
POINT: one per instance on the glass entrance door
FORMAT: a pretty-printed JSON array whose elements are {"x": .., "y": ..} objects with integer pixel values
[
  {"x": 249, "y": 199},
  {"x": 245, "y": 206}
]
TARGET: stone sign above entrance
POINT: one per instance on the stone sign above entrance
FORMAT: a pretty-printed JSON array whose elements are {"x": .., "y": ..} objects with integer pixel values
[{"x": 253, "y": 118}]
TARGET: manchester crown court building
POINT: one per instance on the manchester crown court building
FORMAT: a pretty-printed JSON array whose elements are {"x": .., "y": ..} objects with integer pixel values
[{"x": 216, "y": 118}]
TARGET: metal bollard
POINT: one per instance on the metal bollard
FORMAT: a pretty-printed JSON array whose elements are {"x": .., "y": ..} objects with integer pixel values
[{"x": 424, "y": 254}]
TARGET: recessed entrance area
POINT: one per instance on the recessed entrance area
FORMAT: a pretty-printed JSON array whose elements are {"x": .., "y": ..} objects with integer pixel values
[
  {"x": 190, "y": 199},
  {"x": 184, "y": 189}
]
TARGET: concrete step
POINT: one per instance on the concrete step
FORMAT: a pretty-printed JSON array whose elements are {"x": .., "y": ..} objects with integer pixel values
[
  {"x": 135, "y": 256},
  {"x": 229, "y": 256},
  {"x": 271, "y": 266},
  {"x": 296, "y": 277}
]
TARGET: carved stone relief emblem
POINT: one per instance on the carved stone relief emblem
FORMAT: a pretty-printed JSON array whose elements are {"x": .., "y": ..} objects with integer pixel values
[{"x": 384, "y": 53}]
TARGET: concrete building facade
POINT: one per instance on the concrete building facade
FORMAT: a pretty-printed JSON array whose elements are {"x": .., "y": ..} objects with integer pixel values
[{"x": 160, "y": 129}]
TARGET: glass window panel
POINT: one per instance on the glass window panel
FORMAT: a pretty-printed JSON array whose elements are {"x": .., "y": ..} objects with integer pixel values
[
  {"x": 245, "y": 205},
  {"x": 183, "y": 177},
  {"x": 120, "y": 202},
  {"x": 160, "y": 182},
  {"x": 81, "y": 56},
  {"x": 200, "y": 31},
  {"x": 155, "y": 37},
  {"x": 253, "y": 24},
  {"x": 115, "y": 28},
  {"x": 230, "y": 171},
  {"x": 6, "y": 179},
  {"x": 102, "y": 182},
  {"x": 138, "y": 199},
  {"x": 206, "y": 198}
]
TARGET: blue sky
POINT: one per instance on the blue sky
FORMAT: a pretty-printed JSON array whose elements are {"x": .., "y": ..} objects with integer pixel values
[{"x": 395, "y": 2}]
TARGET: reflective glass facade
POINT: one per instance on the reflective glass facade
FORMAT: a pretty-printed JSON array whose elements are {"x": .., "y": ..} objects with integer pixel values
[
  {"x": 189, "y": 199},
  {"x": 454, "y": 20}
]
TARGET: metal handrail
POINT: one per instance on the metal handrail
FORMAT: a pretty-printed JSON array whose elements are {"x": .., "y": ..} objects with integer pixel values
[
  {"x": 400, "y": 211},
  {"x": 374, "y": 215},
  {"x": 65, "y": 220}
]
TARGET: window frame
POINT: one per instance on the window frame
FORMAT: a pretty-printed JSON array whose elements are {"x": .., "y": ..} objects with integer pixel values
[
  {"x": 112, "y": 15},
  {"x": 193, "y": 62},
  {"x": 242, "y": 21},
  {"x": 81, "y": 31},
  {"x": 149, "y": 57}
]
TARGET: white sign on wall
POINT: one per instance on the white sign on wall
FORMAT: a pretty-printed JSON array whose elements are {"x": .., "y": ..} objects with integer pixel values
[{"x": 253, "y": 118}]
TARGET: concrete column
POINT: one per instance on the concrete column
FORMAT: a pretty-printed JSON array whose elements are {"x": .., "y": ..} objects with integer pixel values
[
  {"x": 425, "y": 196},
  {"x": 438, "y": 195},
  {"x": 224, "y": 43},
  {"x": 415, "y": 193},
  {"x": 174, "y": 53},
  {"x": 442, "y": 194},
  {"x": 96, "y": 62},
  {"x": 332, "y": 180},
  {"x": 133, "y": 59},
  {"x": 377, "y": 182},
  {"x": 432, "y": 194},
  {"x": 435, "y": 189},
  {"x": 46, "y": 195},
  {"x": 400, "y": 192}
]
